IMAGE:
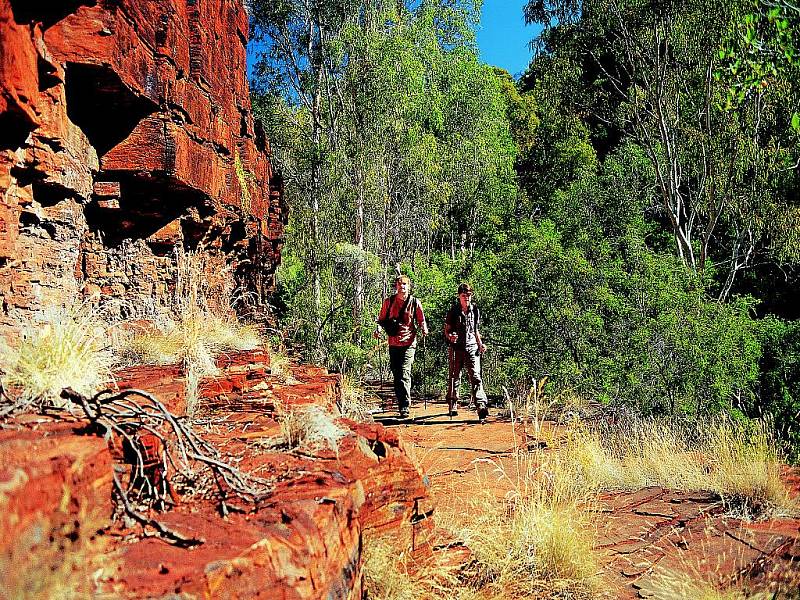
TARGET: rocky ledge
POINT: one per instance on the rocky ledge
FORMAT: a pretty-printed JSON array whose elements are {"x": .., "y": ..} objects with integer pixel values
[{"x": 303, "y": 539}]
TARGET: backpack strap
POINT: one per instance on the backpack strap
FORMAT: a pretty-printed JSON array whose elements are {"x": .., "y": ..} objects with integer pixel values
[
  {"x": 409, "y": 300},
  {"x": 391, "y": 300}
]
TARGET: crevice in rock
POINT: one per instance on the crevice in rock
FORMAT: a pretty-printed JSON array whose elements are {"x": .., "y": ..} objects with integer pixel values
[
  {"x": 15, "y": 125},
  {"x": 243, "y": 129},
  {"x": 46, "y": 13},
  {"x": 54, "y": 144},
  {"x": 45, "y": 193},
  {"x": 235, "y": 235},
  {"x": 145, "y": 205},
  {"x": 47, "y": 72},
  {"x": 32, "y": 222},
  {"x": 103, "y": 107},
  {"x": 196, "y": 228},
  {"x": 50, "y": 194},
  {"x": 260, "y": 138},
  {"x": 379, "y": 449}
]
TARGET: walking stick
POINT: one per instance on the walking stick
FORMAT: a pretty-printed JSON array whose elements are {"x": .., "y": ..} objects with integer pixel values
[{"x": 424, "y": 356}]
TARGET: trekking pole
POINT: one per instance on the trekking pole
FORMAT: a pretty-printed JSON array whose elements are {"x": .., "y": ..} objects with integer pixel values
[{"x": 424, "y": 367}]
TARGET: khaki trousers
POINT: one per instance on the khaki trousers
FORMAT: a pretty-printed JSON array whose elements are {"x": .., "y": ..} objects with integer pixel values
[{"x": 470, "y": 361}]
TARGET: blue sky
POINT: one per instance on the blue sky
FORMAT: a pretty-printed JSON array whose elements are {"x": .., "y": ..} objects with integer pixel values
[{"x": 503, "y": 36}]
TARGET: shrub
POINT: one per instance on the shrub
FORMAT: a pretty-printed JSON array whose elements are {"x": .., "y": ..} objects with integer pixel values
[
  {"x": 778, "y": 392},
  {"x": 624, "y": 324}
]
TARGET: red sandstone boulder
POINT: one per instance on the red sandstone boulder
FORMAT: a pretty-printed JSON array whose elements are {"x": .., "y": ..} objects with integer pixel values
[{"x": 304, "y": 541}]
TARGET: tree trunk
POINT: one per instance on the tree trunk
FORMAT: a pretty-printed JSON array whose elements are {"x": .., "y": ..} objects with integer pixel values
[
  {"x": 358, "y": 266},
  {"x": 316, "y": 185}
]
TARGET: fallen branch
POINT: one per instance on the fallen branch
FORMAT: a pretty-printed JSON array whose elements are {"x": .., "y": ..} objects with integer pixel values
[
  {"x": 163, "y": 531},
  {"x": 129, "y": 412}
]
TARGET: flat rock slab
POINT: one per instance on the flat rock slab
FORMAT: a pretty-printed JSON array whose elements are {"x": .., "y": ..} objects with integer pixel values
[
  {"x": 50, "y": 474},
  {"x": 304, "y": 540}
]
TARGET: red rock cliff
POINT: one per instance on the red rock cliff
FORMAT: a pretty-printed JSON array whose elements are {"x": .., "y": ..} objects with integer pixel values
[{"x": 125, "y": 131}]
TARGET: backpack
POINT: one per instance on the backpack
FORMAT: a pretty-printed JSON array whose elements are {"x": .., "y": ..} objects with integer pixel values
[{"x": 391, "y": 325}]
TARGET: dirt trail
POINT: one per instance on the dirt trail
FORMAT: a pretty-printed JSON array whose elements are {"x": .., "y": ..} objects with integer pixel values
[{"x": 639, "y": 533}]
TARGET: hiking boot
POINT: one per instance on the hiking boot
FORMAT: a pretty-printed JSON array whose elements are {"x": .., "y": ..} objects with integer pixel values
[
  {"x": 404, "y": 413},
  {"x": 453, "y": 412},
  {"x": 483, "y": 412}
]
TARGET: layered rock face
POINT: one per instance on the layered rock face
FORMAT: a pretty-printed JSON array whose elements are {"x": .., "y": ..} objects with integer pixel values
[
  {"x": 303, "y": 540},
  {"x": 125, "y": 132}
]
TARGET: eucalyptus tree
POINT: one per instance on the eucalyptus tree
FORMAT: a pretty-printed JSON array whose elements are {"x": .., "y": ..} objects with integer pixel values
[
  {"x": 649, "y": 71},
  {"x": 293, "y": 76},
  {"x": 424, "y": 128},
  {"x": 391, "y": 135}
]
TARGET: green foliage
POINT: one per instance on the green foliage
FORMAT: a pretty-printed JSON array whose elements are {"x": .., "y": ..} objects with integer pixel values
[
  {"x": 779, "y": 382},
  {"x": 633, "y": 73},
  {"x": 607, "y": 208},
  {"x": 760, "y": 50},
  {"x": 634, "y": 328},
  {"x": 408, "y": 152}
]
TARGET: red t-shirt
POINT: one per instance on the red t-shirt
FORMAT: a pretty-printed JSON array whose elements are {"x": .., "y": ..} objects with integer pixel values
[{"x": 408, "y": 313}]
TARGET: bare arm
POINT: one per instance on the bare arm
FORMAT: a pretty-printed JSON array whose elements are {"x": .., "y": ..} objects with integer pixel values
[
  {"x": 420, "y": 316},
  {"x": 450, "y": 335}
]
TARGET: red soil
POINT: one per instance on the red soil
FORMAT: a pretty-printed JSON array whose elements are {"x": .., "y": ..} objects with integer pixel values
[{"x": 641, "y": 534}]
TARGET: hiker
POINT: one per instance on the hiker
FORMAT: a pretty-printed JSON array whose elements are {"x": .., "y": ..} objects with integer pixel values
[
  {"x": 464, "y": 351},
  {"x": 402, "y": 318}
]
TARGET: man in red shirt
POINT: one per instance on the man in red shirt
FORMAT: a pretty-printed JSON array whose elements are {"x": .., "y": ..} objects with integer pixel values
[{"x": 402, "y": 317}]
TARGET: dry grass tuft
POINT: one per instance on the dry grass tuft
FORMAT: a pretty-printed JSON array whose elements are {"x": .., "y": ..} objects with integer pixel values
[
  {"x": 194, "y": 340},
  {"x": 197, "y": 324},
  {"x": 353, "y": 403},
  {"x": 537, "y": 543},
  {"x": 62, "y": 347},
  {"x": 311, "y": 427},
  {"x": 739, "y": 462},
  {"x": 194, "y": 335},
  {"x": 745, "y": 468},
  {"x": 670, "y": 585},
  {"x": 390, "y": 574},
  {"x": 526, "y": 406},
  {"x": 280, "y": 365}
]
